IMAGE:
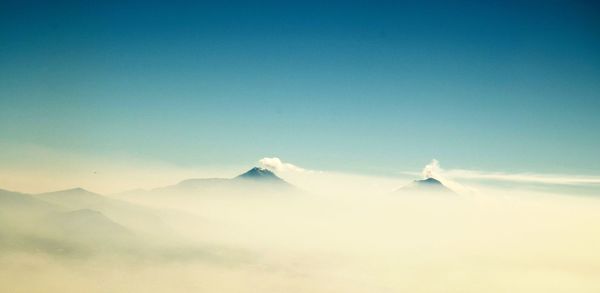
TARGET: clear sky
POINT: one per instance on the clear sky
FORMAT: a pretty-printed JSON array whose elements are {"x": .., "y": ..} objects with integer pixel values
[{"x": 373, "y": 87}]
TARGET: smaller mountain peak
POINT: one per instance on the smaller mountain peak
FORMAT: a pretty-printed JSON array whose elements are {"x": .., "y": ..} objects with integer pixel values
[
  {"x": 428, "y": 185},
  {"x": 429, "y": 180},
  {"x": 260, "y": 169}
]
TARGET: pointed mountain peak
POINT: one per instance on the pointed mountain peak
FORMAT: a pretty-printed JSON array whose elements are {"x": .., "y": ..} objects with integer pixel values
[
  {"x": 427, "y": 185},
  {"x": 258, "y": 173},
  {"x": 429, "y": 181}
]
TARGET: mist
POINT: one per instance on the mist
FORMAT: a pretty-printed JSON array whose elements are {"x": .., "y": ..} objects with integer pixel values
[{"x": 325, "y": 232}]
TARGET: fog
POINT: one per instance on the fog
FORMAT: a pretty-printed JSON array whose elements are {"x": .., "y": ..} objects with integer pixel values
[{"x": 328, "y": 233}]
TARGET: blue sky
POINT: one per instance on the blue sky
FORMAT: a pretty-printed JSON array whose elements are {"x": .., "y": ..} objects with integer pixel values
[{"x": 372, "y": 87}]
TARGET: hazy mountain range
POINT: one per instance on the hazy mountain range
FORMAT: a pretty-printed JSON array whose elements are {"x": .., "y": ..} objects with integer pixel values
[
  {"x": 255, "y": 229},
  {"x": 77, "y": 221}
]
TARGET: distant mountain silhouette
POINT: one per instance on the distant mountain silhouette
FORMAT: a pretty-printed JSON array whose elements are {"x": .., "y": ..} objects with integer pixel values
[
  {"x": 252, "y": 182},
  {"x": 23, "y": 206},
  {"x": 429, "y": 182},
  {"x": 125, "y": 213},
  {"x": 253, "y": 177},
  {"x": 13, "y": 200},
  {"x": 88, "y": 223},
  {"x": 73, "y": 221},
  {"x": 425, "y": 186},
  {"x": 76, "y": 198},
  {"x": 78, "y": 191},
  {"x": 260, "y": 174}
]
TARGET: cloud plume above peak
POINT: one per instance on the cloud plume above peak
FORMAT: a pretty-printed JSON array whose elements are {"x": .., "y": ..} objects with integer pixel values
[
  {"x": 432, "y": 170},
  {"x": 276, "y": 164}
]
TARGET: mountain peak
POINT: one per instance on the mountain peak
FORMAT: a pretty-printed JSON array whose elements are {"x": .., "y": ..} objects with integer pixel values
[
  {"x": 258, "y": 173},
  {"x": 429, "y": 181},
  {"x": 427, "y": 185}
]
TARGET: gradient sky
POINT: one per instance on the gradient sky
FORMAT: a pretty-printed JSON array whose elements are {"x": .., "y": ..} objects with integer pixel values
[{"x": 373, "y": 87}]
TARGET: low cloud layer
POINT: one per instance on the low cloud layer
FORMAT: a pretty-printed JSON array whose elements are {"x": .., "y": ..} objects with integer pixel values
[
  {"x": 189, "y": 240},
  {"x": 347, "y": 234}
]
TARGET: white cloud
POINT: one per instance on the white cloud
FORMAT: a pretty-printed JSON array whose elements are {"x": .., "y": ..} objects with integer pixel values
[
  {"x": 432, "y": 170},
  {"x": 276, "y": 164}
]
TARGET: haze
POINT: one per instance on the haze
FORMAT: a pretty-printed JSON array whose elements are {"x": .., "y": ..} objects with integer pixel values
[
  {"x": 262, "y": 234},
  {"x": 299, "y": 146}
]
